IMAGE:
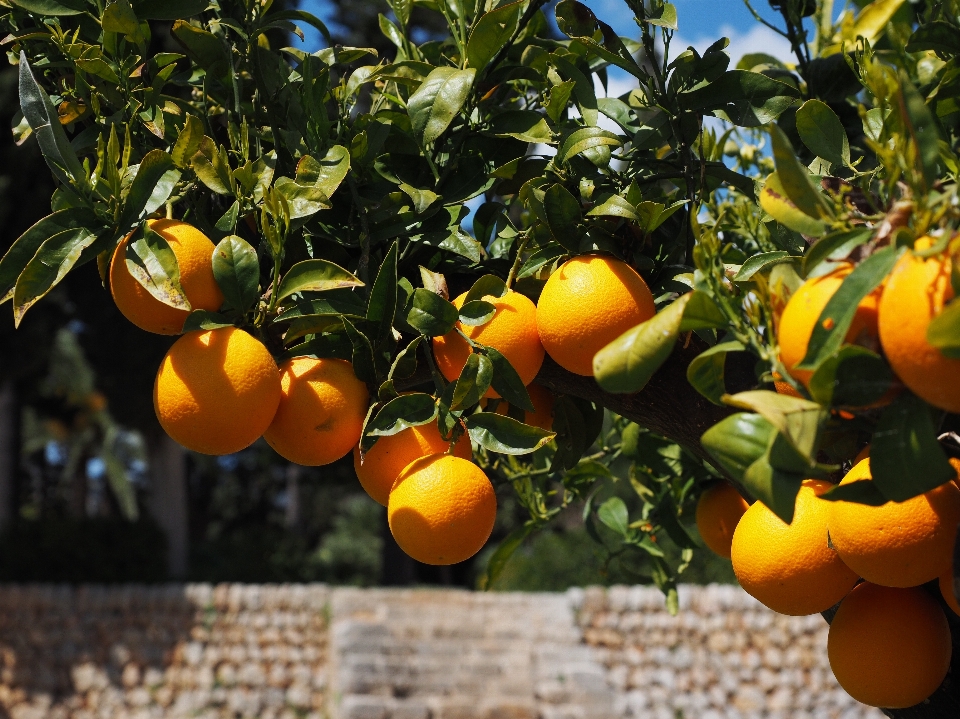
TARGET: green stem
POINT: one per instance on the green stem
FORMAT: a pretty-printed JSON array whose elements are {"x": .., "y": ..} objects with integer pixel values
[{"x": 516, "y": 263}]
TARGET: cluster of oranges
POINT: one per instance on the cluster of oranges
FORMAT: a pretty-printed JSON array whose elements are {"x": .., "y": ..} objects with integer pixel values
[
  {"x": 218, "y": 391},
  {"x": 893, "y": 318},
  {"x": 889, "y": 643}
]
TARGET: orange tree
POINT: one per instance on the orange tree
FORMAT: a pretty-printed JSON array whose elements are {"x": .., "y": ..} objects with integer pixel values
[{"x": 631, "y": 255}]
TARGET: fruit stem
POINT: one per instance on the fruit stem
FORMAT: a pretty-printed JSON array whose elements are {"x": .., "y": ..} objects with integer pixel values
[{"x": 524, "y": 239}]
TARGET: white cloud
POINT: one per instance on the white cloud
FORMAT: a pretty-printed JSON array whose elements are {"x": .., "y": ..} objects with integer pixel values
[{"x": 758, "y": 38}]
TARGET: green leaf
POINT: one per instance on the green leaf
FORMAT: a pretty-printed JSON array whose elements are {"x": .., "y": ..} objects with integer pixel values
[
  {"x": 939, "y": 36},
  {"x": 437, "y": 101},
  {"x": 203, "y": 47},
  {"x": 834, "y": 322},
  {"x": 748, "y": 99},
  {"x": 188, "y": 141},
  {"x": 337, "y": 346},
  {"x": 823, "y": 133},
  {"x": 303, "y": 200},
  {"x": 544, "y": 256},
  {"x": 921, "y": 125},
  {"x": 584, "y": 139},
  {"x": 155, "y": 180},
  {"x": 42, "y": 117},
  {"x": 382, "y": 304},
  {"x": 237, "y": 272},
  {"x": 626, "y": 365},
  {"x": 26, "y": 246},
  {"x": 862, "y": 491},
  {"x": 486, "y": 286},
  {"x": 705, "y": 372},
  {"x": 556, "y": 103},
  {"x": 667, "y": 19},
  {"x": 498, "y": 560},
  {"x": 563, "y": 216},
  {"x": 152, "y": 262},
  {"x": 525, "y": 125},
  {"x": 52, "y": 7},
  {"x": 326, "y": 174},
  {"x": 795, "y": 178},
  {"x": 474, "y": 381},
  {"x": 408, "y": 410},
  {"x": 212, "y": 167},
  {"x": 775, "y": 488},
  {"x": 55, "y": 257},
  {"x": 701, "y": 313},
  {"x": 871, "y": 22},
  {"x": 758, "y": 263},
  {"x": 854, "y": 377},
  {"x": 313, "y": 325},
  {"x": 476, "y": 313},
  {"x": 905, "y": 457},
  {"x": 614, "y": 514},
  {"x": 430, "y": 314},
  {"x": 118, "y": 16},
  {"x": 505, "y": 435},
  {"x": 405, "y": 365},
  {"x": 943, "y": 333},
  {"x": 615, "y": 206},
  {"x": 506, "y": 382},
  {"x": 205, "y": 320},
  {"x": 362, "y": 356},
  {"x": 315, "y": 276},
  {"x": 491, "y": 32},
  {"x": 422, "y": 199},
  {"x": 800, "y": 421},
  {"x": 390, "y": 31},
  {"x": 774, "y": 201},
  {"x": 839, "y": 244},
  {"x": 738, "y": 441},
  {"x": 577, "y": 21}
]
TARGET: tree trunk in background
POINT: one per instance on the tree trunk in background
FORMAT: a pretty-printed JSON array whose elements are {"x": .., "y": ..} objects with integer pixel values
[
  {"x": 9, "y": 451},
  {"x": 168, "y": 500}
]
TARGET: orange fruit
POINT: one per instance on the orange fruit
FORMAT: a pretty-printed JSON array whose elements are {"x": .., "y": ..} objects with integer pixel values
[
  {"x": 862, "y": 455},
  {"x": 719, "y": 509},
  {"x": 955, "y": 463},
  {"x": 916, "y": 292},
  {"x": 321, "y": 412},
  {"x": 948, "y": 591},
  {"x": 898, "y": 544},
  {"x": 441, "y": 509},
  {"x": 785, "y": 388},
  {"x": 800, "y": 317},
  {"x": 216, "y": 391},
  {"x": 512, "y": 331},
  {"x": 889, "y": 647},
  {"x": 586, "y": 304},
  {"x": 194, "y": 253},
  {"x": 384, "y": 462},
  {"x": 542, "y": 415},
  {"x": 791, "y": 567}
]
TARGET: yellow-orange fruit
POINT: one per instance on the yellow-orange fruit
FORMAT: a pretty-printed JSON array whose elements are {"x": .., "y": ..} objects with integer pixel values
[
  {"x": 800, "y": 317},
  {"x": 321, "y": 412},
  {"x": 791, "y": 567},
  {"x": 542, "y": 415},
  {"x": 442, "y": 509},
  {"x": 948, "y": 590},
  {"x": 216, "y": 390},
  {"x": 512, "y": 331},
  {"x": 862, "y": 455},
  {"x": 916, "y": 292},
  {"x": 390, "y": 455},
  {"x": 586, "y": 304},
  {"x": 889, "y": 647},
  {"x": 719, "y": 509},
  {"x": 194, "y": 252},
  {"x": 955, "y": 463},
  {"x": 898, "y": 544}
]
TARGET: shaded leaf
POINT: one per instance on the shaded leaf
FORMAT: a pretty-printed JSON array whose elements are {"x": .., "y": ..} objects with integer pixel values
[
  {"x": 205, "y": 320},
  {"x": 155, "y": 180},
  {"x": 237, "y": 272},
  {"x": 614, "y": 514},
  {"x": 474, "y": 381},
  {"x": 506, "y": 382},
  {"x": 705, "y": 372},
  {"x": 430, "y": 314},
  {"x": 152, "y": 262},
  {"x": 823, "y": 133}
]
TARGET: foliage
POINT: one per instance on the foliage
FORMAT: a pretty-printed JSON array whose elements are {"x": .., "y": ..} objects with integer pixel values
[{"x": 335, "y": 186}]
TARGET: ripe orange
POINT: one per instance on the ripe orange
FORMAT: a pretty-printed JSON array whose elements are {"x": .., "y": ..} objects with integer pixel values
[
  {"x": 948, "y": 591},
  {"x": 321, "y": 411},
  {"x": 390, "y": 455},
  {"x": 862, "y": 455},
  {"x": 889, "y": 647},
  {"x": 542, "y": 415},
  {"x": 800, "y": 317},
  {"x": 917, "y": 290},
  {"x": 194, "y": 253},
  {"x": 899, "y": 544},
  {"x": 442, "y": 509},
  {"x": 586, "y": 304},
  {"x": 719, "y": 509},
  {"x": 955, "y": 463},
  {"x": 216, "y": 390},
  {"x": 791, "y": 567},
  {"x": 512, "y": 331}
]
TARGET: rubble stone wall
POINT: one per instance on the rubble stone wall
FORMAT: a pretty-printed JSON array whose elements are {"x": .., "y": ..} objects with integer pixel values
[{"x": 314, "y": 652}]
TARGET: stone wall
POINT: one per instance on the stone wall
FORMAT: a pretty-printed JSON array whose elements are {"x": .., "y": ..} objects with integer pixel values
[{"x": 312, "y": 652}]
